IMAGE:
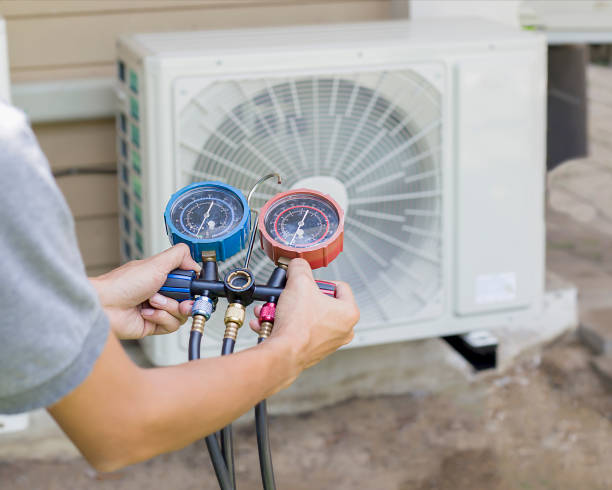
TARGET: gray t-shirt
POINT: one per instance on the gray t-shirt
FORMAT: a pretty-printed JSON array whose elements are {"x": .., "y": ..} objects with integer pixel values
[{"x": 52, "y": 327}]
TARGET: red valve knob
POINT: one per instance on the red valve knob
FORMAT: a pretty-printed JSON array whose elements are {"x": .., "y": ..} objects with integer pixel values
[{"x": 267, "y": 312}]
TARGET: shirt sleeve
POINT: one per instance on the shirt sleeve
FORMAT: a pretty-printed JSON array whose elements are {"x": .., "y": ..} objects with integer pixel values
[{"x": 52, "y": 326}]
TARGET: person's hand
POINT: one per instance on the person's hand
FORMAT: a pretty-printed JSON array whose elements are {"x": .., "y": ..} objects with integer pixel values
[
  {"x": 313, "y": 324},
  {"x": 129, "y": 295}
]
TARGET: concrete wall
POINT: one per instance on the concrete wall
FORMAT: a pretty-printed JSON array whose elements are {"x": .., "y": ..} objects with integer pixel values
[{"x": 62, "y": 40}]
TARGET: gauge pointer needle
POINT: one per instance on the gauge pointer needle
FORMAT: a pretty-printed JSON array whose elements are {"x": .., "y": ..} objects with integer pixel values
[
  {"x": 205, "y": 218},
  {"x": 300, "y": 224}
]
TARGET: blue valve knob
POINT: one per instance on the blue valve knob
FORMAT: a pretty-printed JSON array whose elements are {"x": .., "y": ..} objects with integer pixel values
[{"x": 178, "y": 285}]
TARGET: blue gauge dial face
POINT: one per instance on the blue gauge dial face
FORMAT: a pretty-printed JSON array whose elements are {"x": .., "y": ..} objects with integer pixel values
[{"x": 207, "y": 212}]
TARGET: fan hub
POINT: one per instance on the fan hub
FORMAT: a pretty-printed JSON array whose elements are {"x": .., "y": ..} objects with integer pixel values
[{"x": 326, "y": 185}]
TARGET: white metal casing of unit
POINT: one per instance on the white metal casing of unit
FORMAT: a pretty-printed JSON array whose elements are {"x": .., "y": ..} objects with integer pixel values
[{"x": 492, "y": 81}]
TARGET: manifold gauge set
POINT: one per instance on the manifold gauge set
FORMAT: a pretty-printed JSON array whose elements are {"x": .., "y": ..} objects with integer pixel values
[{"x": 216, "y": 221}]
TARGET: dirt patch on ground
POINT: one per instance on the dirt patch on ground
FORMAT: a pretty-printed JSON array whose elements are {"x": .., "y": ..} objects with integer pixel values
[{"x": 546, "y": 424}]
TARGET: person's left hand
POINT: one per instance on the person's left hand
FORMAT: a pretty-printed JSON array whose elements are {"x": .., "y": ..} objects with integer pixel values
[{"x": 130, "y": 299}]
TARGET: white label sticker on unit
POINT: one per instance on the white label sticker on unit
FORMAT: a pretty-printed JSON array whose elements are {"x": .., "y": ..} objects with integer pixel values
[
  {"x": 13, "y": 423},
  {"x": 495, "y": 288}
]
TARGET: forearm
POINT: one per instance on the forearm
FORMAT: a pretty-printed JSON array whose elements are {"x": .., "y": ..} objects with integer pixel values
[
  {"x": 203, "y": 396},
  {"x": 122, "y": 414}
]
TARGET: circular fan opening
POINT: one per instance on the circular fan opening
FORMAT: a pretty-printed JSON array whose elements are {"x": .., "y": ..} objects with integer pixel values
[{"x": 378, "y": 135}]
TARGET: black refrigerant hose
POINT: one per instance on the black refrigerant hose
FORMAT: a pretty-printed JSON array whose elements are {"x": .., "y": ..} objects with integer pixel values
[
  {"x": 218, "y": 464},
  {"x": 182, "y": 285},
  {"x": 263, "y": 443},
  {"x": 195, "y": 339},
  {"x": 228, "y": 347},
  {"x": 211, "y": 441},
  {"x": 277, "y": 280},
  {"x": 210, "y": 272},
  {"x": 227, "y": 443}
]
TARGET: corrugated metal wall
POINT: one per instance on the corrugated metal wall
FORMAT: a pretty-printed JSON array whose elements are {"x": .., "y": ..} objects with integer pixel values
[{"x": 57, "y": 40}]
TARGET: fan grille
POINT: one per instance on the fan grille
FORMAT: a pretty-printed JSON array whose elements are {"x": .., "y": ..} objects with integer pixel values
[{"x": 379, "y": 134}]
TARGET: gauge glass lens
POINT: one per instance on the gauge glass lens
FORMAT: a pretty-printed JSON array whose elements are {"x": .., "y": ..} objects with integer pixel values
[
  {"x": 301, "y": 220},
  {"x": 206, "y": 212}
]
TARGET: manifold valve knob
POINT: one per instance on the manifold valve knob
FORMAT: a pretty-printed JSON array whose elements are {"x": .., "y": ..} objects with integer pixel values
[
  {"x": 267, "y": 312},
  {"x": 203, "y": 306}
]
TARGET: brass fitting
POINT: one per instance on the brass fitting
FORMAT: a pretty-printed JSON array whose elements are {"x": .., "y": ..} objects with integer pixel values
[
  {"x": 234, "y": 319},
  {"x": 198, "y": 323},
  {"x": 265, "y": 330},
  {"x": 209, "y": 256},
  {"x": 238, "y": 275},
  {"x": 283, "y": 262}
]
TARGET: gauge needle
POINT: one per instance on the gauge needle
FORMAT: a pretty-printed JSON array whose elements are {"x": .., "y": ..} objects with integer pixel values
[
  {"x": 300, "y": 224},
  {"x": 204, "y": 219}
]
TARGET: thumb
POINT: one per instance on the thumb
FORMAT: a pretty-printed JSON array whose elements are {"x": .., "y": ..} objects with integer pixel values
[
  {"x": 177, "y": 257},
  {"x": 299, "y": 272}
]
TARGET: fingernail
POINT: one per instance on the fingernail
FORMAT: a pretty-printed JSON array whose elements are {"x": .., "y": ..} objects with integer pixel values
[
  {"x": 147, "y": 311},
  {"x": 158, "y": 299}
]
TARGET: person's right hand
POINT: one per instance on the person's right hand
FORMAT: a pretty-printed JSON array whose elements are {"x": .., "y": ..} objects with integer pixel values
[{"x": 313, "y": 324}]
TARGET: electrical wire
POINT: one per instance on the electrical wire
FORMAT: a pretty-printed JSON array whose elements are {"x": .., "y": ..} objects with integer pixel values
[{"x": 212, "y": 444}]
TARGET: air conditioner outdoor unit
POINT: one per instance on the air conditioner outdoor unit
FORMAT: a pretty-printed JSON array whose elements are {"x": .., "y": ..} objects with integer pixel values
[{"x": 430, "y": 134}]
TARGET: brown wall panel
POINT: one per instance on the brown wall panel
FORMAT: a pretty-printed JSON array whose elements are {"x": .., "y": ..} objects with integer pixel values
[
  {"x": 90, "y": 196},
  {"x": 87, "y": 40},
  {"x": 45, "y": 8},
  {"x": 78, "y": 144},
  {"x": 35, "y": 74},
  {"x": 98, "y": 240}
]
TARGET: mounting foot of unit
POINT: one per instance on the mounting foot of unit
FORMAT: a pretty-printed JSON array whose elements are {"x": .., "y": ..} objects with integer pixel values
[{"x": 479, "y": 348}]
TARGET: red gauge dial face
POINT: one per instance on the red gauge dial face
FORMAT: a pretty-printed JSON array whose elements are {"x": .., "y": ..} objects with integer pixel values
[
  {"x": 301, "y": 220},
  {"x": 302, "y": 223}
]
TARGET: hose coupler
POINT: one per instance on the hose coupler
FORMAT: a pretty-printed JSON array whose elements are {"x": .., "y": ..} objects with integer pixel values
[
  {"x": 234, "y": 319},
  {"x": 266, "y": 318},
  {"x": 265, "y": 330},
  {"x": 197, "y": 324},
  {"x": 201, "y": 310}
]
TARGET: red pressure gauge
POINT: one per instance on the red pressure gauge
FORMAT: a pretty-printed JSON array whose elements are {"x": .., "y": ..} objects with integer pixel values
[{"x": 302, "y": 223}]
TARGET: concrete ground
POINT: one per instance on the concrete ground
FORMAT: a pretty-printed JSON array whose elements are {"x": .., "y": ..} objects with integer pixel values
[{"x": 544, "y": 422}]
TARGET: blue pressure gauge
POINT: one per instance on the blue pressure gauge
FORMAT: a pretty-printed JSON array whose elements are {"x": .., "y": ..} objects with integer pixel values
[{"x": 208, "y": 216}]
